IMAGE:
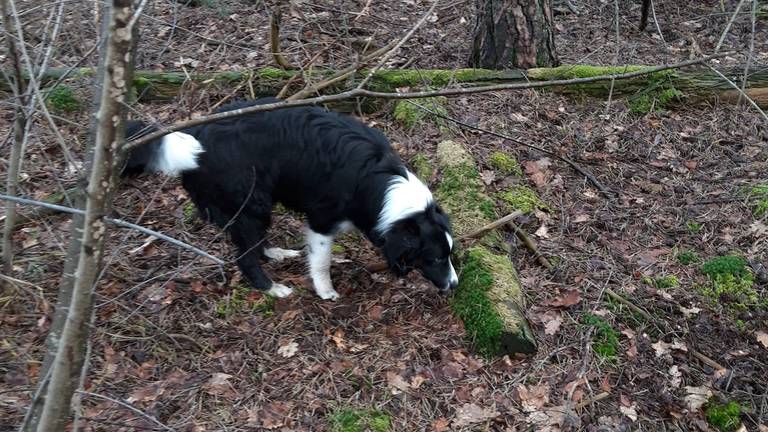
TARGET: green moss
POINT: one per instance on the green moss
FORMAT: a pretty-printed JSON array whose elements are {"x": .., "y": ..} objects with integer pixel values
[
  {"x": 271, "y": 73},
  {"x": 693, "y": 226},
  {"x": 725, "y": 418},
  {"x": 731, "y": 283},
  {"x": 423, "y": 166},
  {"x": 410, "y": 115},
  {"x": 238, "y": 302},
  {"x": 505, "y": 164},
  {"x": 461, "y": 191},
  {"x": 605, "y": 339},
  {"x": 337, "y": 248},
  {"x": 386, "y": 80},
  {"x": 580, "y": 71},
  {"x": 472, "y": 304},
  {"x": 359, "y": 420},
  {"x": 726, "y": 265},
  {"x": 62, "y": 99},
  {"x": 664, "y": 282},
  {"x": 687, "y": 257},
  {"x": 189, "y": 212},
  {"x": 654, "y": 99},
  {"x": 760, "y": 192},
  {"x": 523, "y": 198}
]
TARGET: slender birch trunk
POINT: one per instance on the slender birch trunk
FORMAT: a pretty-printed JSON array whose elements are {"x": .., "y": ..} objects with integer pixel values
[{"x": 67, "y": 365}]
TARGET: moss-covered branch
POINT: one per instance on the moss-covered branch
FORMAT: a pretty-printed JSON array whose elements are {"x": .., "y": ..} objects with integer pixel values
[
  {"x": 489, "y": 299},
  {"x": 644, "y": 91}
]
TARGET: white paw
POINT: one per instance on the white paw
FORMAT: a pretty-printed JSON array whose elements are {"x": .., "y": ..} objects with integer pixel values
[
  {"x": 280, "y": 290},
  {"x": 279, "y": 254},
  {"x": 327, "y": 293}
]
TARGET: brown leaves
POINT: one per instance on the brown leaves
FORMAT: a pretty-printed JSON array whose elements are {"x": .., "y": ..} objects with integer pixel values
[
  {"x": 696, "y": 397},
  {"x": 219, "y": 385},
  {"x": 396, "y": 383},
  {"x": 762, "y": 338},
  {"x": 469, "y": 414},
  {"x": 533, "y": 398},
  {"x": 565, "y": 299},
  {"x": 271, "y": 416}
]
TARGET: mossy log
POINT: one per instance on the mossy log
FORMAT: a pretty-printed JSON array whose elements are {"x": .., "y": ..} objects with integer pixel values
[
  {"x": 693, "y": 83},
  {"x": 489, "y": 298}
]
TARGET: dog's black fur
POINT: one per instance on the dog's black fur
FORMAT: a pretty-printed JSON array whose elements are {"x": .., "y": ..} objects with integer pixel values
[{"x": 328, "y": 166}]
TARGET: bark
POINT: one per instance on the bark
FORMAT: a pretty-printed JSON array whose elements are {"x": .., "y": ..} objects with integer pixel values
[
  {"x": 66, "y": 366},
  {"x": 78, "y": 198},
  {"x": 696, "y": 84},
  {"x": 513, "y": 33},
  {"x": 19, "y": 125}
]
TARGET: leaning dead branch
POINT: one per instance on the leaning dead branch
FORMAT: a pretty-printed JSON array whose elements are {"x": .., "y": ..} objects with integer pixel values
[
  {"x": 358, "y": 92},
  {"x": 117, "y": 222},
  {"x": 274, "y": 41}
]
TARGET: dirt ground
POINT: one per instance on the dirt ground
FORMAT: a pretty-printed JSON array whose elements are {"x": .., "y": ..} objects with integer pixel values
[{"x": 190, "y": 345}]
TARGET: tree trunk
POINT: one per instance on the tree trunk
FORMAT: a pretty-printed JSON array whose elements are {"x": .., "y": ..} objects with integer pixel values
[
  {"x": 67, "y": 365},
  {"x": 19, "y": 125},
  {"x": 513, "y": 34}
]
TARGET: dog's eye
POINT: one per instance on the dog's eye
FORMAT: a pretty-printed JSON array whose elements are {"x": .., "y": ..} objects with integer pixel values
[{"x": 438, "y": 260}]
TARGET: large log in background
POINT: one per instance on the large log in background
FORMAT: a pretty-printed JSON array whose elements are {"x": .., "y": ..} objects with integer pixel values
[{"x": 696, "y": 84}]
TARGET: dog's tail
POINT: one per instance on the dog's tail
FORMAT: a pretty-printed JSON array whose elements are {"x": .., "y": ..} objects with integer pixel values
[{"x": 171, "y": 154}]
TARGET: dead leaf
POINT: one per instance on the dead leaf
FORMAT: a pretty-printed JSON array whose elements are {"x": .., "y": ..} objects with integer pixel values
[
  {"x": 534, "y": 171},
  {"x": 632, "y": 337},
  {"x": 375, "y": 312},
  {"x": 290, "y": 314},
  {"x": 440, "y": 424},
  {"x": 470, "y": 413},
  {"x": 418, "y": 380},
  {"x": 629, "y": 411},
  {"x": 696, "y": 397},
  {"x": 289, "y": 349},
  {"x": 762, "y": 337},
  {"x": 552, "y": 321},
  {"x": 581, "y": 217},
  {"x": 566, "y": 299},
  {"x": 218, "y": 384},
  {"x": 338, "y": 339},
  {"x": 689, "y": 312},
  {"x": 542, "y": 232},
  {"x": 676, "y": 377},
  {"x": 275, "y": 414},
  {"x": 758, "y": 228},
  {"x": 534, "y": 397},
  {"x": 488, "y": 177},
  {"x": 396, "y": 383}
]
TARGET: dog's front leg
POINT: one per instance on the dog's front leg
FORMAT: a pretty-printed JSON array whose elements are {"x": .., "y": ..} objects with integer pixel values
[{"x": 319, "y": 259}]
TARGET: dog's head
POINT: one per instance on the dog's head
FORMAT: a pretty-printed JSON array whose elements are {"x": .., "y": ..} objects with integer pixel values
[{"x": 423, "y": 242}]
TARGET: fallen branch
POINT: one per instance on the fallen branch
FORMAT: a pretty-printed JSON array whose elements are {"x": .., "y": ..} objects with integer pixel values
[
  {"x": 117, "y": 222},
  {"x": 358, "y": 92},
  {"x": 491, "y": 226},
  {"x": 590, "y": 401},
  {"x": 127, "y": 406},
  {"x": 530, "y": 245}
]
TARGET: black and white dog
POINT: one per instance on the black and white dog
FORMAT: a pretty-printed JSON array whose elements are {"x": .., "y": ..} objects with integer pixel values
[{"x": 334, "y": 169}]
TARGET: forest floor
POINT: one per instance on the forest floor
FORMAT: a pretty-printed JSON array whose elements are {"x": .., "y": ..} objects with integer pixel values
[{"x": 682, "y": 235}]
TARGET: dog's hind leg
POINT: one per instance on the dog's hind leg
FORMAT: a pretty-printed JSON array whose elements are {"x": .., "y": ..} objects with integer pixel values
[
  {"x": 248, "y": 234},
  {"x": 319, "y": 259}
]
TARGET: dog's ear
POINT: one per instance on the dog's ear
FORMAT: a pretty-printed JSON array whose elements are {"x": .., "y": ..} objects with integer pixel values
[{"x": 400, "y": 243}]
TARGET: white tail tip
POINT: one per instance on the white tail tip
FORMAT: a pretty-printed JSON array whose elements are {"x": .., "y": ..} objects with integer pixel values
[{"x": 178, "y": 153}]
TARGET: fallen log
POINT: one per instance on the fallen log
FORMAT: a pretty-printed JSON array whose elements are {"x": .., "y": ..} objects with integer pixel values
[
  {"x": 692, "y": 84},
  {"x": 489, "y": 298}
]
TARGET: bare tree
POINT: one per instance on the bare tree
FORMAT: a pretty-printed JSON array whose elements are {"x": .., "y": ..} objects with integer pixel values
[
  {"x": 16, "y": 82},
  {"x": 513, "y": 33},
  {"x": 66, "y": 367}
]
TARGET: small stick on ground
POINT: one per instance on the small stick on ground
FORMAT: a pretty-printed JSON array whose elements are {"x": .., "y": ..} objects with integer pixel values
[
  {"x": 491, "y": 226},
  {"x": 274, "y": 41},
  {"x": 590, "y": 401},
  {"x": 531, "y": 246}
]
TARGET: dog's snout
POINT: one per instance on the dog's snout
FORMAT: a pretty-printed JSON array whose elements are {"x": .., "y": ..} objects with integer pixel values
[{"x": 452, "y": 285}]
